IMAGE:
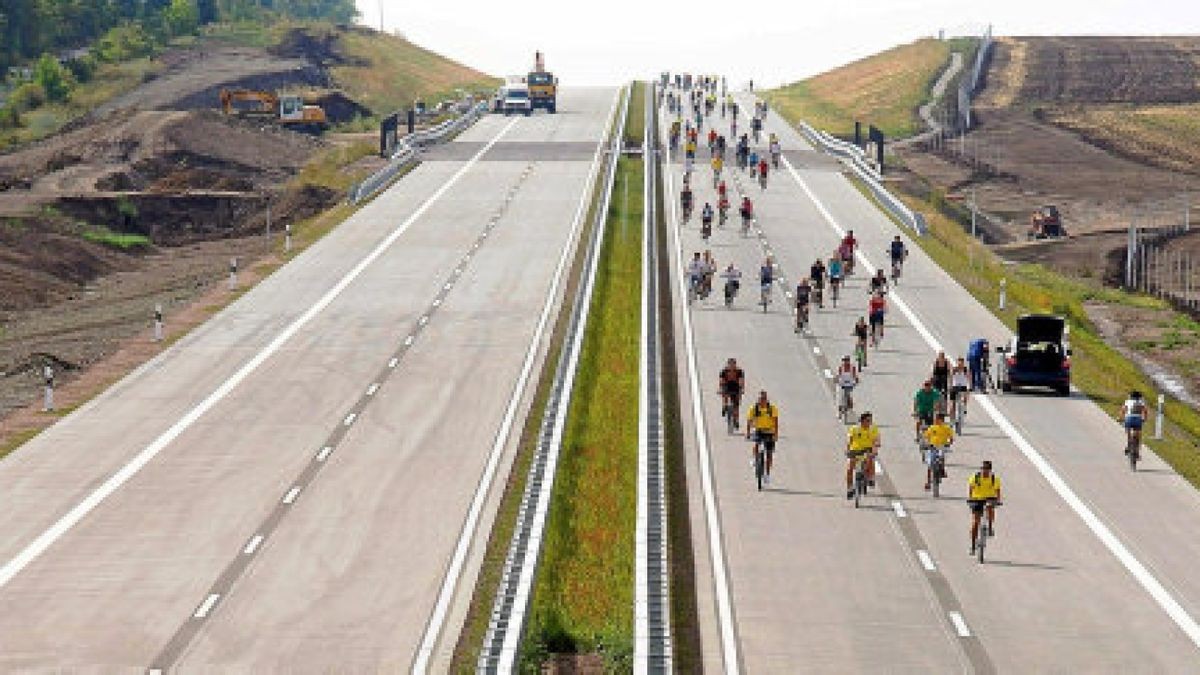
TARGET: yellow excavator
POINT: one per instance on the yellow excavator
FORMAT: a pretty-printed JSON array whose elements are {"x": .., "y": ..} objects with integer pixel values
[{"x": 289, "y": 110}]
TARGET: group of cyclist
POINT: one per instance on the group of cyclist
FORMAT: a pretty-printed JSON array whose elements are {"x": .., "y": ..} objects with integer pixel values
[{"x": 948, "y": 383}]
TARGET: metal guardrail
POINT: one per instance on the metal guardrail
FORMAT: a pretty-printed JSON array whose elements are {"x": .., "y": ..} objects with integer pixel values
[
  {"x": 854, "y": 157},
  {"x": 510, "y": 608},
  {"x": 652, "y": 605},
  {"x": 408, "y": 152}
]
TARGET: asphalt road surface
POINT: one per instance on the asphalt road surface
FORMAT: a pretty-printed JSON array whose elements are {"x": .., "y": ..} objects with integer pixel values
[
  {"x": 285, "y": 488},
  {"x": 1093, "y": 568}
]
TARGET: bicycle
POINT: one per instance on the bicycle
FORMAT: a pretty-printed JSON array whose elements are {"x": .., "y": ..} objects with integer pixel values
[
  {"x": 1133, "y": 447},
  {"x": 801, "y": 317},
  {"x": 722, "y": 216},
  {"x": 693, "y": 289},
  {"x": 765, "y": 296},
  {"x": 860, "y": 354},
  {"x": 834, "y": 285},
  {"x": 897, "y": 265},
  {"x": 985, "y": 531},
  {"x": 818, "y": 294},
  {"x": 876, "y": 334},
  {"x": 760, "y": 459},
  {"x": 860, "y": 476},
  {"x": 762, "y": 179},
  {"x": 730, "y": 412},
  {"x": 731, "y": 289},
  {"x": 746, "y": 220},
  {"x": 937, "y": 467},
  {"x": 845, "y": 404},
  {"x": 960, "y": 412}
]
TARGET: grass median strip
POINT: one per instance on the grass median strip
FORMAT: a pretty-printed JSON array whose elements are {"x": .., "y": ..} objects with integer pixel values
[{"x": 583, "y": 599}]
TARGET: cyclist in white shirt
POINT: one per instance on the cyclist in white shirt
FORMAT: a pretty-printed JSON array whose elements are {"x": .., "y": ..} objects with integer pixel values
[{"x": 847, "y": 379}]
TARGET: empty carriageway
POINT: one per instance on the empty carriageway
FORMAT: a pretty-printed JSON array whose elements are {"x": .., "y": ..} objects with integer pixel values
[
  {"x": 1090, "y": 568},
  {"x": 300, "y": 484}
]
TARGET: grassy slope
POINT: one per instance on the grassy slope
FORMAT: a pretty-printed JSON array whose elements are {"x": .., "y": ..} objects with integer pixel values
[
  {"x": 885, "y": 90},
  {"x": 1162, "y": 135},
  {"x": 583, "y": 600}
]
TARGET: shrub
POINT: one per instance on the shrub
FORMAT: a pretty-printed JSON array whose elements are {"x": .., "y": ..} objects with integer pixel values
[
  {"x": 82, "y": 69},
  {"x": 124, "y": 43},
  {"x": 49, "y": 74},
  {"x": 26, "y": 97},
  {"x": 10, "y": 117}
]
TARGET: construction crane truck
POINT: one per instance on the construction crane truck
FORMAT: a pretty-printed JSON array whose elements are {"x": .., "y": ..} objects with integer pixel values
[{"x": 543, "y": 86}]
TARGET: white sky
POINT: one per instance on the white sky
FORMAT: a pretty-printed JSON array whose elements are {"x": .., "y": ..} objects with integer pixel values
[{"x": 772, "y": 41}]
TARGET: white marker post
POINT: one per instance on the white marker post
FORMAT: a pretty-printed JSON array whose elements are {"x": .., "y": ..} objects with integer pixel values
[
  {"x": 1003, "y": 292},
  {"x": 233, "y": 274},
  {"x": 158, "y": 323},
  {"x": 1158, "y": 420},
  {"x": 48, "y": 375},
  {"x": 287, "y": 238}
]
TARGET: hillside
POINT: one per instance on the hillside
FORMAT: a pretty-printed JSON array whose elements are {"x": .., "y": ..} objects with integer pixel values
[{"x": 884, "y": 89}]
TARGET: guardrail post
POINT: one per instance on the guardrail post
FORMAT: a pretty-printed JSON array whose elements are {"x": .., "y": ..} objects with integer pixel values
[
  {"x": 1158, "y": 419},
  {"x": 1003, "y": 292}
]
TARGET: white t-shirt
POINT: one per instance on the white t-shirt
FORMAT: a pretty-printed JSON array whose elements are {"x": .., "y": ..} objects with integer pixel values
[
  {"x": 845, "y": 378},
  {"x": 958, "y": 378},
  {"x": 1135, "y": 408}
]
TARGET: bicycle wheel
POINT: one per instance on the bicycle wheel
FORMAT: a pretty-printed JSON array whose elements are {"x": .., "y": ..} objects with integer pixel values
[
  {"x": 859, "y": 487},
  {"x": 1132, "y": 450},
  {"x": 758, "y": 468},
  {"x": 936, "y": 469},
  {"x": 982, "y": 540}
]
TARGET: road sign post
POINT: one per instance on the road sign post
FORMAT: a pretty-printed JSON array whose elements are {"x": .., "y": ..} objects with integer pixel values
[{"x": 1003, "y": 292}]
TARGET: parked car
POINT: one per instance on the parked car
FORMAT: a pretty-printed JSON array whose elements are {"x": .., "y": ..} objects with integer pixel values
[{"x": 1038, "y": 356}]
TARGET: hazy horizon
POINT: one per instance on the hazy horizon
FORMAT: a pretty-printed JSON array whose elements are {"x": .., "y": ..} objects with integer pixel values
[{"x": 599, "y": 44}]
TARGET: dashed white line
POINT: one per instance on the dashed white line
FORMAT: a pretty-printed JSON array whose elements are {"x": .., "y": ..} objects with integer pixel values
[
  {"x": 393, "y": 362},
  {"x": 437, "y": 302},
  {"x": 349, "y": 419},
  {"x": 816, "y": 350},
  {"x": 828, "y": 374},
  {"x": 206, "y": 606},
  {"x": 960, "y": 625},
  {"x": 291, "y": 495},
  {"x": 408, "y": 341},
  {"x": 899, "y": 509},
  {"x": 878, "y": 466},
  {"x": 372, "y": 389},
  {"x": 252, "y": 545},
  {"x": 447, "y": 286},
  {"x": 324, "y": 453},
  {"x": 424, "y": 320},
  {"x": 926, "y": 560}
]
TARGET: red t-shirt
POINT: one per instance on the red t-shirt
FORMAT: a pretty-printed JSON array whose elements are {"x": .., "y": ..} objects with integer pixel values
[{"x": 876, "y": 305}]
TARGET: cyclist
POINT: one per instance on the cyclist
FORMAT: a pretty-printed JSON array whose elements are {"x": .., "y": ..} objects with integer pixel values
[
  {"x": 747, "y": 212},
  {"x": 960, "y": 382},
  {"x": 763, "y": 426},
  {"x": 860, "y": 335},
  {"x": 732, "y": 383},
  {"x": 712, "y": 139},
  {"x": 685, "y": 201},
  {"x": 982, "y": 489},
  {"x": 695, "y": 273},
  {"x": 846, "y": 379},
  {"x": 722, "y": 210},
  {"x": 925, "y": 406},
  {"x": 762, "y": 172},
  {"x": 876, "y": 308},
  {"x": 817, "y": 274},
  {"x": 766, "y": 277},
  {"x": 753, "y": 163},
  {"x": 803, "y": 295},
  {"x": 721, "y": 189},
  {"x": 941, "y": 375},
  {"x": 717, "y": 164},
  {"x": 710, "y": 269},
  {"x": 1133, "y": 412},
  {"x": 835, "y": 275},
  {"x": 706, "y": 218},
  {"x": 776, "y": 151},
  {"x": 733, "y": 281},
  {"x": 878, "y": 283},
  {"x": 898, "y": 253},
  {"x": 938, "y": 435},
  {"x": 846, "y": 250},
  {"x": 862, "y": 441}
]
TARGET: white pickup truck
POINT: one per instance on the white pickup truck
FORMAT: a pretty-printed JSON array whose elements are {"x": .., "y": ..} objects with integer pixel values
[{"x": 513, "y": 99}]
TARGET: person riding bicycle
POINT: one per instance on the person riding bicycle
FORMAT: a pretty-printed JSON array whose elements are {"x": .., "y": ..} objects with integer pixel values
[
  {"x": 803, "y": 296},
  {"x": 846, "y": 379},
  {"x": 960, "y": 382},
  {"x": 862, "y": 441},
  {"x": 897, "y": 252},
  {"x": 983, "y": 489},
  {"x": 816, "y": 272},
  {"x": 940, "y": 375},
  {"x": 695, "y": 273},
  {"x": 938, "y": 435},
  {"x": 732, "y": 383},
  {"x": 717, "y": 164},
  {"x": 733, "y": 281},
  {"x": 753, "y": 162},
  {"x": 925, "y": 405},
  {"x": 1133, "y": 412},
  {"x": 723, "y": 209},
  {"x": 860, "y": 333},
  {"x": 722, "y": 189},
  {"x": 878, "y": 283},
  {"x": 747, "y": 212},
  {"x": 762, "y": 171},
  {"x": 835, "y": 272},
  {"x": 685, "y": 200},
  {"x": 706, "y": 214},
  {"x": 876, "y": 309},
  {"x": 763, "y": 426},
  {"x": 776, "y": 151},
  {"x": 712, "y": 138},
  {"x": 766, "y": 275}
]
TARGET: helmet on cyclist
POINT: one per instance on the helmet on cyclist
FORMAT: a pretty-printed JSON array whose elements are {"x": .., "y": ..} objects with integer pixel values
[{"x": 1135, "y": 394}]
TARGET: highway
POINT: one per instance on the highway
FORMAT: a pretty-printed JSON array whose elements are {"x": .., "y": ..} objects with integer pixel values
[
  {"x": 1092, "y": 569},
  {"x": 304, "y": 482}
]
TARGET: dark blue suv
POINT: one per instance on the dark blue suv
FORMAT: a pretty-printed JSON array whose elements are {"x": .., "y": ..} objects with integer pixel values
[{"x": 1039, "y": 355}]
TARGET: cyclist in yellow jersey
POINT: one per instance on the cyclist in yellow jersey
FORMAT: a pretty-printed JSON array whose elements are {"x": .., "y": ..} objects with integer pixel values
[
  {"x": 862, "y": 441},
  {"x": 983, "y": 490},
  {"x": 763, "y": 426},
  {"x": 937, "y": 435}
]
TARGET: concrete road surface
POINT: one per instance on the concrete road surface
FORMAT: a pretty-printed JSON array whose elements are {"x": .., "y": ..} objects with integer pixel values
[
  {"x": 285, "y": 488},
  {"x": 1092, "y": 569}
]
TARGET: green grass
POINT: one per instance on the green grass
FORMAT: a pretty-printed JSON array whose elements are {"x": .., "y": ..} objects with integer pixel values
[
  {"x": 583, "y": 598},
  {"x": 635, "y": 126},
  {"x": 17, "y": 440},
  {"x": 1099, "y": 370},
  {"x": 119, "y": 240},
  {"x": 885, "y": 90}
]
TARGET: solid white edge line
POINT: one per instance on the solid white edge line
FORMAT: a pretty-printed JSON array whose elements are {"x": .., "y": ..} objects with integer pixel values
[
  {"x": 393, "y": 362},
  {"x": 641, "y": 602},
  {"x": 926, "y": 560},
  {"x": 72, "y": 517},
  {"x": 878, "y": 467},
  {"x": 960, "y": 625},
  {"x": 291, "y": 495},
  {"x": 206, "y": 606},
  {"x": 437, "y": 619},
  {"x": 729, "y": 646},
  {"x": 1140, "y": 573},
  {"x": 252, "y": 545}
]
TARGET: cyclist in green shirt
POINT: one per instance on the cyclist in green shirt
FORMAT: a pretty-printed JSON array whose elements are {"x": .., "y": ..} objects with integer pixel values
[{"x": 925, "y": 404}]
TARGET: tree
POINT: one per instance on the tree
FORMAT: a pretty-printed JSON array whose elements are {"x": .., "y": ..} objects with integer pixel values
[
  {"x": 49, "y": 75},
  {"x": 182, "y": 17},
  {"x": 207, "y": 11}
]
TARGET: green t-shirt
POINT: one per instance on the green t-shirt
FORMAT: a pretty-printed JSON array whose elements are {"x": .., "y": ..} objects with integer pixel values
[{"x": 927, "y": 400}]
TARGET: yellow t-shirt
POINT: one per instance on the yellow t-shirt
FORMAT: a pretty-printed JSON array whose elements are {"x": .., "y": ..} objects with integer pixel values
[
  {"x": 983, "y": 487},
  {"x": 939, "y": 435},
  {"x": 763, "y": 418},
  {"x": 863, "y": 439},
  {"x": 716, "y": 163}
]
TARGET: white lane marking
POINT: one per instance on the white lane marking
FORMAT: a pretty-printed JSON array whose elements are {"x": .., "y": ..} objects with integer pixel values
[
  {"x": 437, "y": 302},
  {"x": 447, "y": 286},
  {"x": 1135, "y": 567},
  {"x": 252, "y": 545},
  {"x": 393, "y": 362},
  {"x": 349, "y": 419},
  {"x": 372, "y": 389},
  {"x": 291, "y": 495},
  {"x": 408, "y": 341},
  {"x": 878, "y": 466},
  {"x": 816, "y": 350},
  {"x": 206, "y": 606},
  {"x": 424, "y": 320},
  {"x": 324, "y": 453},
  {"x": 828, "y": 374},
  {"x": 68, "y": 520},
  {"x": 729, "y": 646},
  {"x": 960, "y": 625},
  {"x": 437, "y": 619},
  {"x": 899, "y": 509},
  {"x": 926, "y": 560}
]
